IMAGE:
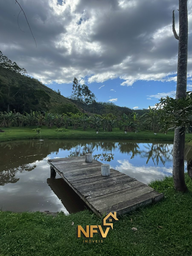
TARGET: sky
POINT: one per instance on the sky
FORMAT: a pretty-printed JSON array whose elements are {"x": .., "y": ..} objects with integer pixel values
[{"x": 124, "y": 50}]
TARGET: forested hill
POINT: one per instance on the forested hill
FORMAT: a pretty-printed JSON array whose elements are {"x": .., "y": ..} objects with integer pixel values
[
  {"x": 21, "y": 93},
  {"x": 100, "y": 108}
]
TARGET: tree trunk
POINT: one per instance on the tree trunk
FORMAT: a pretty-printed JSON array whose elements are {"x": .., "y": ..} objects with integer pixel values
[
  {"x": 178, "y": 160},
  {"x": 179, "y": 138}
]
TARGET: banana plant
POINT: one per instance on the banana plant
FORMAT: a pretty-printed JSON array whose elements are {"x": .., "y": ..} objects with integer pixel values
[
  {"x": 7, "y": 118},
  {"x": 84, "y": 121},
  {"x": 31, "y": 119},
  {"x": 49, "y": 119},
  {"x": 96, "y": 122},
  {"x": 108, "y": 122}
]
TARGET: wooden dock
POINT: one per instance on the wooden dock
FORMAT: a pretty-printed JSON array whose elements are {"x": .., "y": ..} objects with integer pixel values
[{"x": 117, "y": 192}]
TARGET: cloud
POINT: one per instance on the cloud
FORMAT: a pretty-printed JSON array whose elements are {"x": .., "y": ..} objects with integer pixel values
[
  {"x": 113, "y": 100},
  {"x": 97, "y": 40},
  {"x": 170, "y": 79},
  {"x": 189, "y": 87},
  {"x": 151, "y": 107},
  {"x": 81, "y": 81},
  {"x": 145, "y": 174},
  {"x": 163, "y": 95},
  {"x": 135, "y": 107},
  {"x": 112, "y": 90},
  {"x": 101, "y": 86},
  {"x": 99, "y": 78}
]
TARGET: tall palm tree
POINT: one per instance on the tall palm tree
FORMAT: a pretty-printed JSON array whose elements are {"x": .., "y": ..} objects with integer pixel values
[{"x": 179, "y": 135}]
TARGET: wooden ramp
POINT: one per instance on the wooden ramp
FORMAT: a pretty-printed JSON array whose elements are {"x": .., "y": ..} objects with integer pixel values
[{"x": 117, "y": 192}]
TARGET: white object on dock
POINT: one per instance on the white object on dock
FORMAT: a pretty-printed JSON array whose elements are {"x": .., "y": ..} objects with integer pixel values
[
  {"x": 105, "y": 169},
  {"x": 88, "y": 158}
]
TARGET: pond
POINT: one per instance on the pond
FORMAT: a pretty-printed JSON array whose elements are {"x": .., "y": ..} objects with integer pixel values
[{"x": 25, "y": 183}]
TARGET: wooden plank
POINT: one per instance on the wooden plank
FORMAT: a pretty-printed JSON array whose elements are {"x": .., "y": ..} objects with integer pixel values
[
  {"x": 97, "y": 178},
  {"x": 105, "y": 201},
  {"x": 84, "y": 173},
  {"x": 73, "y": 165},
  {"x": 111, "y": 190},
  {"x": 95, "y": 186},
  {"x": 134, "y": 203},
  {"x": 80, "y": 170},
  {"x": 117, "y": 192}
]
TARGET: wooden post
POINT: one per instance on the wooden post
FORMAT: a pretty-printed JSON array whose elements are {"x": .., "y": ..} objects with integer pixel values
[
  {"x": 52, "y": 173},
  {"x": 105, "y": 169},
  {"x": 88, "y": 158}
]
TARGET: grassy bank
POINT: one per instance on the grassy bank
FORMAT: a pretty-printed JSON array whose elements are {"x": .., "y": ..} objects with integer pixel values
[
  {"x": 16, "y": 133},
  {"x": 54, "y": 133},
  {"x": 161, "y": 229}
]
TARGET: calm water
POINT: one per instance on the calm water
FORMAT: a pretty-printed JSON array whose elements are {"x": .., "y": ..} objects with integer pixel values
[{"x": 24, "y": 172}]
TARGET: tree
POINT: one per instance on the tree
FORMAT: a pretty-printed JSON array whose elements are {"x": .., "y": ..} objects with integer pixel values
[
  {"x": 6, "y": 63},
  {"x": 175, "y": 112},
  {"x": 82, "y": 92},
  {"x": 179, "y": 134}
]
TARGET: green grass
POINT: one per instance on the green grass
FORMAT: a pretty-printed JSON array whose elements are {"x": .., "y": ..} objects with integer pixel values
[
  {"x": 54, "y": 133},
  {"x": 16, "y": 133},
  {"x": 164, "y": 228}
]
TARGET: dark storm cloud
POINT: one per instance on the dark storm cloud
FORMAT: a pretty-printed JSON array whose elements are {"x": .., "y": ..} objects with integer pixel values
[
  {"x": 44, "y": 24},
  {"x": 98, "y": 5},
  {"x": 100, "y": 39},
  {"x": 129, "y": 32},
  {"x": 17, "y": 41}
]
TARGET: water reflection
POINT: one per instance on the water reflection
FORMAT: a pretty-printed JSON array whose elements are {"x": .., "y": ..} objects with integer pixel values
[
  {"x": 158, "y": 153},
  {"x": 145, "y": 174},
  {"x": 66, "y": 195},
  {"x": 144, "y": 161},
  {"x": 24, "y": 171},
  {"x": 131, "y": 147}
]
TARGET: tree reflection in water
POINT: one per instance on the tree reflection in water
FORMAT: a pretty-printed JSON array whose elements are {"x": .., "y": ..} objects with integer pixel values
[
  {"x": 104, "y": 157},
  {"x": 81, "y": 150},
  {"x": 129, "y": 147},
  {"x": 90, "y": 148},
  {"x": 19, "y": 156},
  {"x": 8, "y": 176},
  {"x": 157, "y": 152}
]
